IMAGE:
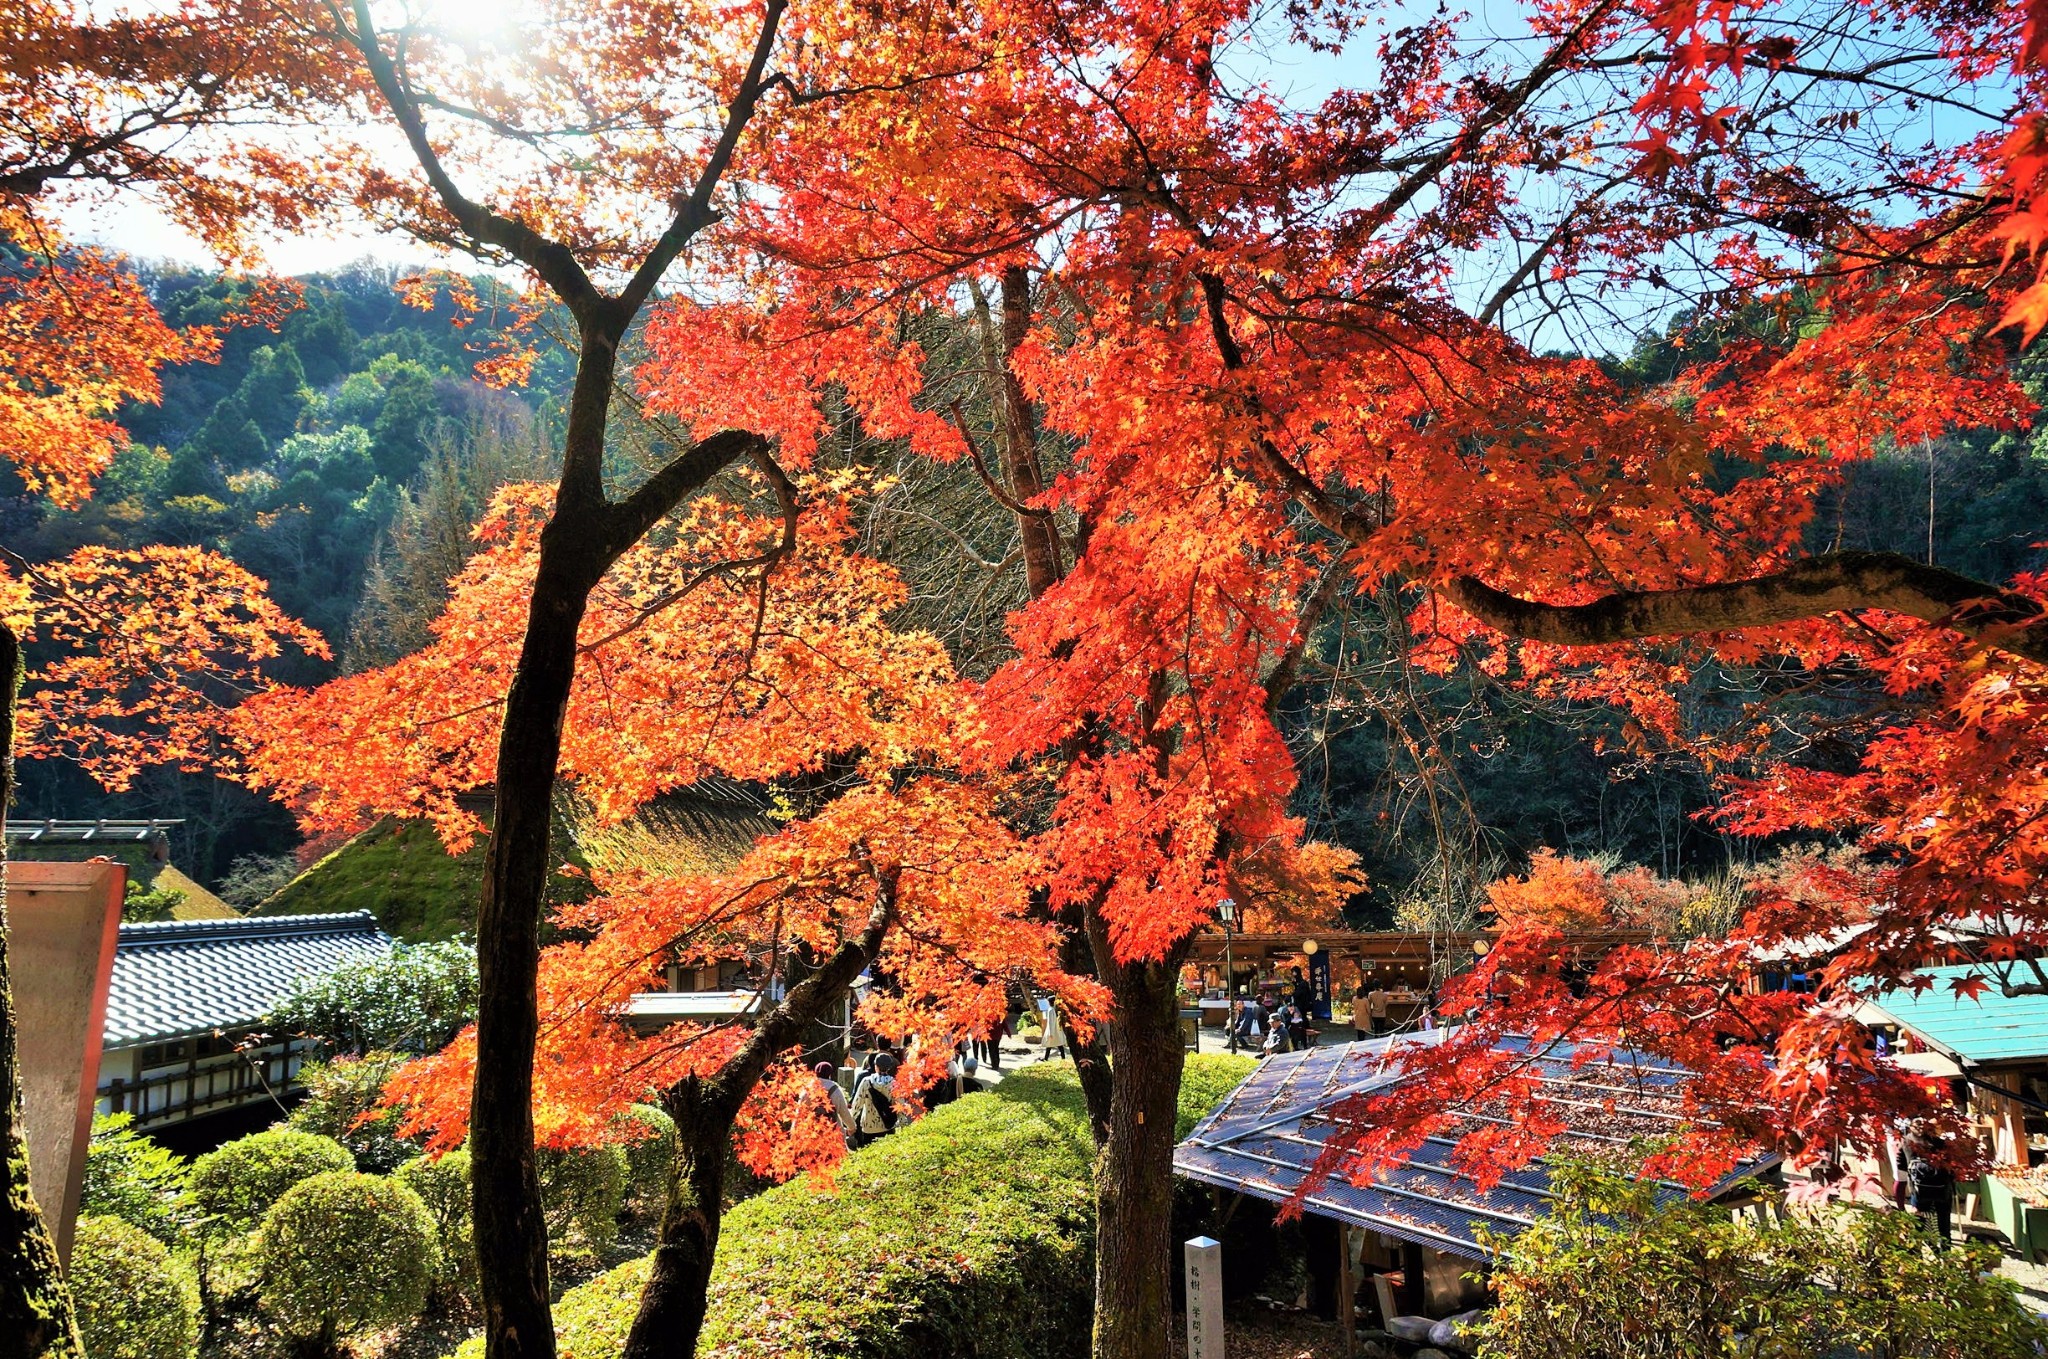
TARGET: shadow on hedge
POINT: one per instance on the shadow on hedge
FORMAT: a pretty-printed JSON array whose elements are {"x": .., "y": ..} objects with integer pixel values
[{"x": 969, "y": 1234}]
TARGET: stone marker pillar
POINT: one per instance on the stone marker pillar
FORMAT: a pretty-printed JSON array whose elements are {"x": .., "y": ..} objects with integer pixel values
[
  {"x": 63, "y": 920},
  {"x": 1205, "y": 1298}
]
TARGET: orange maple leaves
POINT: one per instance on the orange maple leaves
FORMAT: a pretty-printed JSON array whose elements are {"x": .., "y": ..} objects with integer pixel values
[
  {"x": 964, "y": 929},
  {"x": 142, "y": 654},
  {"x": 1560, "y": 892},
  {"x": 708, "y": 650},
  {"x": 81, "y": 339},
  {"x": 703, "y": 653}
]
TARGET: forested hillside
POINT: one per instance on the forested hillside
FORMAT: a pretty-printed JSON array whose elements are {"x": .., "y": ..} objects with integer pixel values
[
  {"x": 344, "y": 457},
  {"x": 341, "y": 457}
]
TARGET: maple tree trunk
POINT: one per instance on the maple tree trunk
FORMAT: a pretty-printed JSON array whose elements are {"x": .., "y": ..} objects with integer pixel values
[
  {"x": 511, "y": 1237},
  {"x": 35, "y": 1306},
  {"x": 673, "y": 1303},
  {"x": 1035, "y": 532},
  {"x": 1130, "y": 1070},
  {"x": 1134, "y": 1166},
  {"x": 511, "y": 1231},
  {"x": 582, "y": 538},
  {"x": 677, "y": 1293},
  {"x": 1091, "y": 1058}
]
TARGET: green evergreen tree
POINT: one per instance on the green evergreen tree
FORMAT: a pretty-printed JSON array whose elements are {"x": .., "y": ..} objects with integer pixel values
[
  {"x": 273, "y": 391},
  {"x": 398, "y": 439},
  {"x": 230, "y": 440},
  {"x": 324, "y": 341},
  {"x": 191, "y": 472}
]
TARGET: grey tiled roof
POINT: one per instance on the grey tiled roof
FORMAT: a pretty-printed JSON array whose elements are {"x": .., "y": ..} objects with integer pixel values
[{"x": 175, "y": 978}]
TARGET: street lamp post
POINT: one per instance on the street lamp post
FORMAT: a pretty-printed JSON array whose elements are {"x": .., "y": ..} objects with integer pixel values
[{"x": 1226, "y": 912}]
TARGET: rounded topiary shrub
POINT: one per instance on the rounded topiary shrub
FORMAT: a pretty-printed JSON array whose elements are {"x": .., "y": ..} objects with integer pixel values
[
  {"x": 234, "y": 1185},
  {"x": 582, "y": 1190},
  {"x": 343, "y": 1252},
  {"x": 649, "y": 1141},
  {"x": 442, "y": 1182},
  {"x": 344, "y": 1101},
  {"x": 134, "y": 1300}
]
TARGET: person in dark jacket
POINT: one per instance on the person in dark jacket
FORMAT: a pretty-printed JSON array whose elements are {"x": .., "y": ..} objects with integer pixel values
[
  {"x": 989, "y": 1047},
  {"x": 1933, "y": 1186},
  {"x": 1297, "y": 1011},
  {"x": 1251, "y": 1023},
  {"x": 1286, "y": 1020}
]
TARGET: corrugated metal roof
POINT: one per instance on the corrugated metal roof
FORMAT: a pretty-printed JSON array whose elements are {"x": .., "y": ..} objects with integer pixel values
[
  {"x": 86, "y": 832},
  {"x": 1265, "y": 1138},
  {"x": 176, "y": 978},
  {"x": 1991, "y": 1027}
]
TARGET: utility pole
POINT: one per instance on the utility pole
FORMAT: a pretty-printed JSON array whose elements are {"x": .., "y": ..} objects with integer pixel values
[{"x": 1226, "y": 912}]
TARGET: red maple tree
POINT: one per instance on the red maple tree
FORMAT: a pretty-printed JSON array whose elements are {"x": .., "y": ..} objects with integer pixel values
[
  {"x": 1237, "y": 365},
  {"x": 1243, "y": 326}
]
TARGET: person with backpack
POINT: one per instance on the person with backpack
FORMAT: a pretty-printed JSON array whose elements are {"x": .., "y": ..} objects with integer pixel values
[
  {"x": 874, "y": 1102},
  {"x": 865, "y": 1067},
  {"x": 827, "y": 1092},
  {"x": 1933, "y": 1186}
]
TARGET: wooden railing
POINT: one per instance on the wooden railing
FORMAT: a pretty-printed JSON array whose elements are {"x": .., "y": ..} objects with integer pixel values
[{"x": 203, "y": 1086}]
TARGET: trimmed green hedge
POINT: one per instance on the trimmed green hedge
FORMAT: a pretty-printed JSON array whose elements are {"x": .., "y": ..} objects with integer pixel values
[
  {"x": 234, "y": 1184},
  {"x": 968, "y": 1234},
  {"x": 345, "y": 1252},
  {"x": 135, "y": 1301}
]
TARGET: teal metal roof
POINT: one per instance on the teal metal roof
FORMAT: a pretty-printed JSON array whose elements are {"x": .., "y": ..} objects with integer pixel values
[{"x": 1989, "y": 1028}]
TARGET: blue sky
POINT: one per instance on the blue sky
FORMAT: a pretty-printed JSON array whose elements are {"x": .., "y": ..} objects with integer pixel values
[{"x": 1304, "y": 77}]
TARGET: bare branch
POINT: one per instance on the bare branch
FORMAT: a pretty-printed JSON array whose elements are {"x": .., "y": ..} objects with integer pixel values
[
  {"x": 1288, "y": 667},
  {"x": 1001, "y": 496},
  {"x": 2004, "y": 619},
  {"x": 550, "y": 259}
]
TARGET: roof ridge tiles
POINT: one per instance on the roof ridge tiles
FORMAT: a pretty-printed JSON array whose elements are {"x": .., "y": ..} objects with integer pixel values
[{"x": 164, "y": 933}]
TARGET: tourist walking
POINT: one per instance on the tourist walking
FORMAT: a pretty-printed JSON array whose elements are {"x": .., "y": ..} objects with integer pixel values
[
  {"x": 1933, "y": 1186},
  {"x": 874, "y": 1102},
  {"x": 828, "y": 1092},
  {"x": 989, "y": 1047},
  {"x": 1054, "y": 1037}
]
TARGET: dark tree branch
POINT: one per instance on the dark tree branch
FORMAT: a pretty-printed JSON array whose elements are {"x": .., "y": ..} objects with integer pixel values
[
  {"x": 1555, "y": 62},
  {"x": 672, "y": 1302},
  {"x": 632, "y": 517},
  {"x": 988, "y": 480},
  {"x": 551, "y": 260},
  {"x": 1346, "y": 521},
  {"x": 806, "y": 1001},
  {"x": 694, "y": 213},
  {"x": 1287, "y": 668},
  {"x": 1837, "y": 581},
  {"x": 1506, "y": 292}
]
